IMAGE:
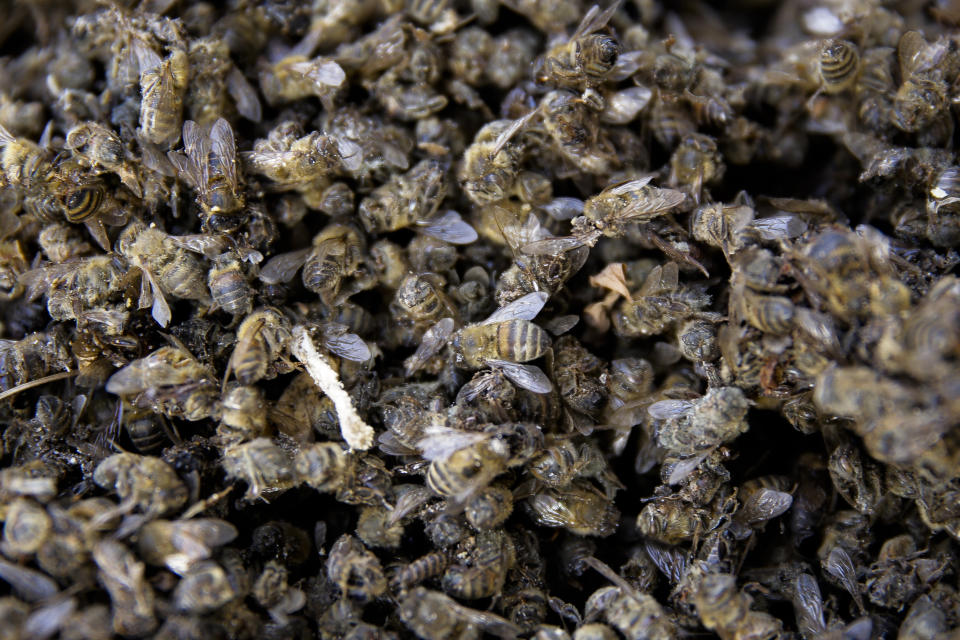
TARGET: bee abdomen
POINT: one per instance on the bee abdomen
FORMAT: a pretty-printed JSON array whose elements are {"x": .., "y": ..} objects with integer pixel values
[
  {"x": 423, "y": 568},
  {"x": 839, "y": 63},
  {"x": 231, "y": 291},
  {"x": 82, "y": 203},
  {"x": 521, "y": 340}
]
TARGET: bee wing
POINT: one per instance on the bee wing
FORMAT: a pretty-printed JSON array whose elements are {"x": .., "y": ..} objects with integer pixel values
[
  {"x": 658, "y": 201},
  {"x": 527, "y": 376},
  {"x": 347, "y": 345},
  {"x": 489, "y": 622},
  {"x": 196, "y": 148},
  {"x": 282, "y": 267},
  {"x": 551, "y": 511},
  {"x": 625, "y": 188},
  {"x": 439, "y": 442},
  {"x": 840, "y": 566},
  {"x": 196, "y": 538},
  {"x": 623, "y": 106},
  {"x": 685, "y": 467},
  {"x": 552, "y": 246},
  {"x": 323, "y": 73},
  {"x": 206, "y": 244},
  {"x": 409, "y": 502},
  {"x": 48, "y": 619},
  {"x": 38, "y": 280},
  {"x": 564, "y": 208},
  {"x": 561, "y": 324},
  {"x": 225, "y": 148},
  {"x": 433, "y": 340},
  {"x": 160, "y": 310},
  {"x": 671, "y": 561},
  {"x": 476, "y": 386},
  {"x": 5, "y": 136},
  {"x": 244, "y": 95},
  {"x": 764, "y": 505},
  {"x": 909, "y": 52},
  {"x": 30, "y": 585},
  {"x": 595, "y": 19},
  {"x": 147, "y": 58},
  {"x": 668, "y": 409},
  {"x": 524, "y": 308},
  {"x": 449, "y": 227},
  {"x": 809, "y": 605},
  {"x": 778, "y": 227},
  {"x": 511, "y": 131}
]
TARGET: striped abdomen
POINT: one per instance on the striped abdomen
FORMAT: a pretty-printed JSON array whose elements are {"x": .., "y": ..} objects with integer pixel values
[{"x": 839, "y": 64}]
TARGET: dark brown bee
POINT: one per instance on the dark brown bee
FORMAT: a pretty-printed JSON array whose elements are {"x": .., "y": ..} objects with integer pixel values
[{"x": 587, "y": 58}]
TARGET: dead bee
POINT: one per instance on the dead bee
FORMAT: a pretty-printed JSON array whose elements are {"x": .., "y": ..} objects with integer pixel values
[
  {"x": 266, "y": 468},
  {"x": 101, "y": 148},
  {"x": 356, "y": 571},
  {"x": 435, "y": 616},
  {"x": 335, "y": 257},
  {"x": 491, "y": 164},
  {"x": 170, "y": 381},
  {"x": 608, "y": 213},
  {"x": 725, "y": 609},
  {"x": 208, "y": 164},
  {"x": 504, "y": 340},
  {"x": 578, "y": 507},
  {"x": 586, "y": 59},
  {"x": 162, "y": 86},
  {"x": 412, "y": 200}
]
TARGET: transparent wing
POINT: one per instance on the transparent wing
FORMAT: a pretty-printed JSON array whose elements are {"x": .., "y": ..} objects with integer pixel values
[
  {"x": 5, "y": 136},
  {"x": 323, "y": 73},
  {"x": 244, "y": 96},
  {"x": 476, "y": 386},
  {"x": 38, "y": 280},
  {"x": 449, "y": 227},
  {"x": 147, "y": 58},
  {"x": 347, "y": 345},
  {"x": 628, "y": 187},
  {"x": 779, "y": 227},
  {"x": 809, "y": 605},
  {"x": 671, "y": 561},
  {"x": 909, "y": 52},
  {"x": 668, "y": 409},
  {"x": 552, "y": 246},
  {"x": 409, "y": 502},
  {"x": 433, "y": 340},
  {"x": 224, "y": 148},
  {"x": 439, "y": 442},
  {"x": 47, "y": 620},
  {"x": 564, "y": 208},
  {"x": 511, "y": 131},
  {"x": 657, "y": 201},
  {"x": 189, "y": 535},
  {"x": 685, "y": 467},
  {"x": 28, "y": 584},
  {"x": 840, "y": 566},
  {"x": 207, "y": 244},
  {"x": 623, "y": 106},
  {"x": 561, "y": 324},
  {"x": 595, "y": 19},
  {"x": 527, "y": 376},
  {"x": 283, "y": 267},
  {"x": 490, "y": 623},
  {"x": 764, "y": 505},
  {"x": 524, "y": 308},
  {"x": 160, "y": 309}
]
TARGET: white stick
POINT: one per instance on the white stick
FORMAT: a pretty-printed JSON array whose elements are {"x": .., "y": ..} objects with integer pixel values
[{"x": 357, "y": 433}]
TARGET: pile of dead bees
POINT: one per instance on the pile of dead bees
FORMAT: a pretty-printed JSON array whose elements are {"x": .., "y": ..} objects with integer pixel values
[{"x": 451, "y": 318}]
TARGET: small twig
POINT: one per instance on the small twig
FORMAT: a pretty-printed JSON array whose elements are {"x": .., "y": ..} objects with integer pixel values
[{"x": 357, "y": 433}]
